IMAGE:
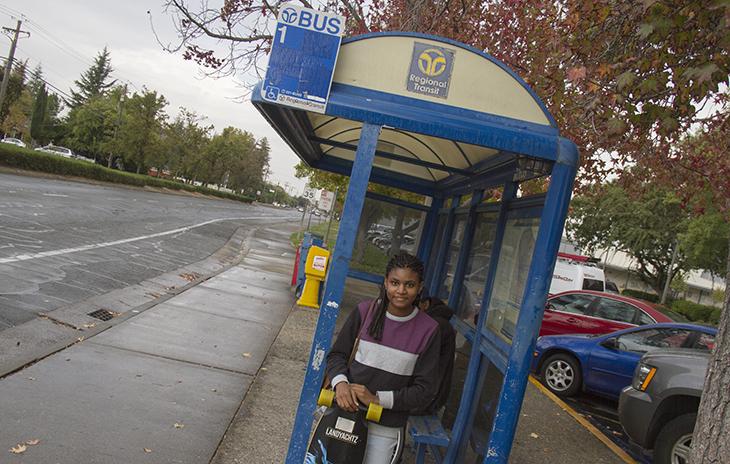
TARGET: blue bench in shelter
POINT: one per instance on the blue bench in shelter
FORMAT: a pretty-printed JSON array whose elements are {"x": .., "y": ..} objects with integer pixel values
[{"x": 428, "y": 434}]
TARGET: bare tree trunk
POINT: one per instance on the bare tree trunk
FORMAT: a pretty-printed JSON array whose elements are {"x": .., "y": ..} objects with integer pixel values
[
  {"x": 711, "y": 440},
  {"x": 397, "y": 237}
]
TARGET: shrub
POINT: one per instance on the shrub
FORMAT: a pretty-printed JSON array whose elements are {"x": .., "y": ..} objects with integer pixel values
[
  {"x": 697, "y": 312},
  {"x": 30, "y": 160}
]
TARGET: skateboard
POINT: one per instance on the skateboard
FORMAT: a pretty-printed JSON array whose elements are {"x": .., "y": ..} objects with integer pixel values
[{"x": 340, "y": 436}]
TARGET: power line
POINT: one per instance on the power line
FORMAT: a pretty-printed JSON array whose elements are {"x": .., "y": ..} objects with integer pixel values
[
  {"x": 66, "y": 96},
  {"x": 60, "y": 44}
]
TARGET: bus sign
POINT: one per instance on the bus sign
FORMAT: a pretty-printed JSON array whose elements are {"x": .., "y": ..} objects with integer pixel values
[{"x": 303, "y": 56}]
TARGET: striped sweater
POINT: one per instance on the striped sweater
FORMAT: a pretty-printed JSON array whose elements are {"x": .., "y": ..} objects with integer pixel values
[{"x": 402, "y": 368}]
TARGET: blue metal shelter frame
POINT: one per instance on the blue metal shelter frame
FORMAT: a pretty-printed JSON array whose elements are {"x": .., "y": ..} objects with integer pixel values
[{"x": 516, "y": 142}]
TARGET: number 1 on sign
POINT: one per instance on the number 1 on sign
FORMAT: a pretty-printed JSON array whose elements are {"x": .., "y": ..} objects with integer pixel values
[{"x": 282, "y": 29}]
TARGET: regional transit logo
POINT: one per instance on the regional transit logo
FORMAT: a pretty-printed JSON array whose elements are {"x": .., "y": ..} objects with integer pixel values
[
  {"x": 430, "y": 70},
  {"x": 432, "y": 62}
]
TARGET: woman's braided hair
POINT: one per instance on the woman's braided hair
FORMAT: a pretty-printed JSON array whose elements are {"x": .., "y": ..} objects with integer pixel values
[{"x": 401, "y": 260}]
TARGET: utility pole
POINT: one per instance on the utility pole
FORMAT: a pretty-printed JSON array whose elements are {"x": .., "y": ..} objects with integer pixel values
[
  {"x": 669, "y": 274},
  {"x": 9, "y": 62}
]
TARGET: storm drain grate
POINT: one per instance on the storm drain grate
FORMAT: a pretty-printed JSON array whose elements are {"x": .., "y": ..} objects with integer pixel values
[{"x": 103, "y": 314}]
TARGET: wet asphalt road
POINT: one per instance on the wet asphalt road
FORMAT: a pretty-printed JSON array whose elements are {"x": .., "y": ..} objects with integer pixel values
[{"x": 62, "y": 242}]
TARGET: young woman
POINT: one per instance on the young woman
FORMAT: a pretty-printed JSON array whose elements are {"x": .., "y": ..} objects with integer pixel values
[{"x": 396, "y": 361}]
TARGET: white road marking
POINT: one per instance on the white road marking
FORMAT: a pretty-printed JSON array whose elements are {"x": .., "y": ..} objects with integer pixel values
[
  {"x": 55, "y": 195},
  {"x": 65, "y": 251}
]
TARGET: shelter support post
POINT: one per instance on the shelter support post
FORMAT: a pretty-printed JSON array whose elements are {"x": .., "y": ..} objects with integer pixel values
[
  {"x": 429, "y": 231},
  {"x": 469, "y": 228},
  {"x": 333, "y": 292},
  {"x": 468, "y": 404},
  {"x": 434, "y": 286},
  {"x": 533, "y": 304}
]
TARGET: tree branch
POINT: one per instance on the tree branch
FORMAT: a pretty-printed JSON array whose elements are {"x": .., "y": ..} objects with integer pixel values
[{"x": 203, "y": 27}]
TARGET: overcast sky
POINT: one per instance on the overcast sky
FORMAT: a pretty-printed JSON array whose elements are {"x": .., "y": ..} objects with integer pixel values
[{"x": 66, "y": 36}]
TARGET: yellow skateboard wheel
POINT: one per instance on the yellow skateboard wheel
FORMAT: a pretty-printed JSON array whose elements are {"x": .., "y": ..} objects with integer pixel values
[
  {"x": 326, "y": 398},
  {"x": 374, "y": 412}
]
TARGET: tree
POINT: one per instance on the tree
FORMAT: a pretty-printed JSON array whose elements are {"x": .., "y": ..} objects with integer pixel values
[
  {"x": 185, "y": 138},
  {"x": 141, "y": 129},
  {"x": 40, "y": 110},
  {"x": 17, "y": 122},
  {"x": 16, "y": 85},
  {"x": 228, "y": 154},
  {"x": 646, "y": 226},
  {"x": 247, "y": 173},
  {"x": 35, "y": 81},
  {"x": 91, "y": 125},
  {"x": 94, "y": 82},
  {"x": 705, "y": 243}
]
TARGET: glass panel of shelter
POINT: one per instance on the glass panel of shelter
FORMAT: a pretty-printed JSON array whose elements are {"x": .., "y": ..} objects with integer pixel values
[
  {"x": 384, "y": 230},
  {"x": 515, "y": 257},
  {"x": 447, "y": 276},
  {"x": 514, "y": 263}
]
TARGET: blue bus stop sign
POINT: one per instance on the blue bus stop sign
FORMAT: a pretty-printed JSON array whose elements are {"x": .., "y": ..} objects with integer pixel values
[{"x": 302, "y": 59}]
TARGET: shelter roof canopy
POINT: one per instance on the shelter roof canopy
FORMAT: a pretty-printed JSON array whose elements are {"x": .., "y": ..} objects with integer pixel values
[{"x": 448, "y": 112}]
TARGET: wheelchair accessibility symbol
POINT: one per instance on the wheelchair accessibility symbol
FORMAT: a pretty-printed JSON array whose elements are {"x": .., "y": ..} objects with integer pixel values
[{"x": 272, "y": 93}]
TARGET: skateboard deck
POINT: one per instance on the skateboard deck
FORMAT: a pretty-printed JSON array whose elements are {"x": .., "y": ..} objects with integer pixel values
[{"x": 340, "y": 436}]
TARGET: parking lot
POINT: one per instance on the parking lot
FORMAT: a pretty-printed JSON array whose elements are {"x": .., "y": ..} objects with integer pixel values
[{"x": 602, "y": 414}]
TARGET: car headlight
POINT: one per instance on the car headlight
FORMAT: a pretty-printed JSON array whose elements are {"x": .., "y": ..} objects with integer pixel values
[{"x": 643, "y": 377}]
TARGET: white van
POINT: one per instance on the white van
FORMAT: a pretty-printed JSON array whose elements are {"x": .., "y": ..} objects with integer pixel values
[{"x": 574, "y": 272}]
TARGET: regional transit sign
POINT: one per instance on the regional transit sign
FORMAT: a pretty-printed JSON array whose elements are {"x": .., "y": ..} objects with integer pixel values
[{"x": 303, "y": 56}]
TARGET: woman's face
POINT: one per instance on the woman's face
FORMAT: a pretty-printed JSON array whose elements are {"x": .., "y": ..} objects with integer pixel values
[{"x": 402, "y": 286}]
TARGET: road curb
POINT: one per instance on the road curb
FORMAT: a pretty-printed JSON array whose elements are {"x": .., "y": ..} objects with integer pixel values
[{"x": 125, "y": 303}]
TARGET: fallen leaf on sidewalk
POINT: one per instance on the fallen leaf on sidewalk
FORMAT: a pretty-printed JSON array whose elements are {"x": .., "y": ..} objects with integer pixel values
[
  {"x": 89, "y": 325},
  {"x": 147, "y": 450},
  {"x": 18, "y": 449},
  {"x": 246, "y": 355},
  {"x": 33, "y": 442},
  {"x": 179, "y": 426},
  {"x": 190, "y": 276},
  {"x": 534, "y": 435}
]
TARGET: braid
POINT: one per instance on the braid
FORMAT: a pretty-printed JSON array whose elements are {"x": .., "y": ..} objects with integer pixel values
[{"x": 401, "y": 260}]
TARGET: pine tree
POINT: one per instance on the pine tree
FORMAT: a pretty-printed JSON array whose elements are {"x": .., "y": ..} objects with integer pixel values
[
  {"x": 95, "y": 81},
  {"x": 39, "y": 116},
  {"x": 35, "y": 80}
]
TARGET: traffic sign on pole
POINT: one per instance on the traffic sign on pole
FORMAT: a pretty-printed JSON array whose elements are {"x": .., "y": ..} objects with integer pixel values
[
  {"x": 325, "y": 200},
  {"x": 303, "y": 56}
]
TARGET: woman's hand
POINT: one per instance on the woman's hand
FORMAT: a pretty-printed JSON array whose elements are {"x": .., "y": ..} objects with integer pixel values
[
  {"x": 345, "y": 397},
  {"x": 364, "y": 395}
]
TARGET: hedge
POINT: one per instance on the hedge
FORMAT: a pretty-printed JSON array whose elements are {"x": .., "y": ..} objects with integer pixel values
[
  {"x": 697, "y": 312},
  {"x": 31, "y": 160}
]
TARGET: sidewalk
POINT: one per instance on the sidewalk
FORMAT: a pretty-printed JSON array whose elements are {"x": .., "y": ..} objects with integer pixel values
[
  {"x": 210, "y": 375},
  {"x": 162, "y": 386}
]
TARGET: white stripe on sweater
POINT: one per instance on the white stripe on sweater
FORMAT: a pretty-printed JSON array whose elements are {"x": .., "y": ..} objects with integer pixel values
[{"x": 386, "y": 358}]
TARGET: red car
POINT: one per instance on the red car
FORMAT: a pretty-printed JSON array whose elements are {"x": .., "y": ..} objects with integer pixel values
[{"x": 589, "y": 312}]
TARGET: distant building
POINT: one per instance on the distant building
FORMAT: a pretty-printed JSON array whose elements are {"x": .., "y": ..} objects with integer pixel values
[{"x": 619, "y": 268}]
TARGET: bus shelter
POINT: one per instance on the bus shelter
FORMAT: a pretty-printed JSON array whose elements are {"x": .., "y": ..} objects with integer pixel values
[{"x": 460, "y": 132}]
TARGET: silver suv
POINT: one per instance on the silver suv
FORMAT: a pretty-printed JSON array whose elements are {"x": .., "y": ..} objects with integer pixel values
[{"x": 658, "y": 411}]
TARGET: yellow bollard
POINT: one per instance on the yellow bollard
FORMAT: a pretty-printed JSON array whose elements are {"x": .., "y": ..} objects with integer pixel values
[{"x": 315, "y": 271}]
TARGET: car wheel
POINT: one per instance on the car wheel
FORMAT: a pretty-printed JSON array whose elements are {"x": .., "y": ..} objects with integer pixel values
[
  {"x": 561, "y": 374},
  {"x": 673, "y": 443}
]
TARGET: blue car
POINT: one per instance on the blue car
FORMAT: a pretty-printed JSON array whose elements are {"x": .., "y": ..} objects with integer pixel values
[{"x": 604, "y": 364}]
